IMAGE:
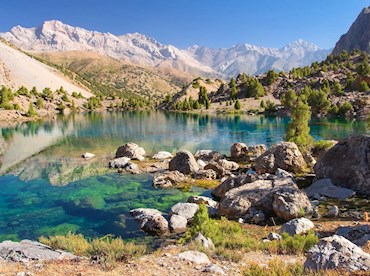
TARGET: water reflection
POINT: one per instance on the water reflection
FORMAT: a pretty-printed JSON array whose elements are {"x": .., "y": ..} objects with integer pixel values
[{"x": 56, "y": 145}]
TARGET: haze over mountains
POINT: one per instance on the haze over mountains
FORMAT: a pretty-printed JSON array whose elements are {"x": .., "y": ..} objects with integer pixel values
[{"x": 145, "y": 51}]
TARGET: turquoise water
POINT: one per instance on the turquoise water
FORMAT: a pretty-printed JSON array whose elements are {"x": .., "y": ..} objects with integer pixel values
[{"x": 46, "y": 188}]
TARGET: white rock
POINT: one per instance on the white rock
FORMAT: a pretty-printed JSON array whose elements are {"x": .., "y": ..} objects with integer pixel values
[
  {"x": 162, "y": 155},
  {"x": 195, "y": 257},
  {"x": 88, "y": 155},
  {"x": 297, "y": 226}
]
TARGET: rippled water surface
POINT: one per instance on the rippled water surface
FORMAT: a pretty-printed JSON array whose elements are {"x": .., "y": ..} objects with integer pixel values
[{"x": 46, "y": 188}]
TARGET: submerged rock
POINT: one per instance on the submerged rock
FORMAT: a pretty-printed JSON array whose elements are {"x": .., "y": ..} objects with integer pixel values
[
  {"x": 336, "y": 252},
  {"x": 132, "y": 151},
  {"x": 88, "y": 155},
  {"x": 168, "y": 179},
  {"x": 26, "y": 250},
  {"x": 184, "y": 162},
  {"x": 119, "y": 162},
  {"x": 297, "y": 226},
  {"x": 347, "y": 164},
  {"x": 284, "y": 155},
  {"x": 151, "y": 220},
  {"x": 325, "y": 187}
]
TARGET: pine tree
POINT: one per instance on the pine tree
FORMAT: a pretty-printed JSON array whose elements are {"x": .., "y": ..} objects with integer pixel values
[
  {"x": 298, "y": 129},
  {"x": 237, "y": 105}
]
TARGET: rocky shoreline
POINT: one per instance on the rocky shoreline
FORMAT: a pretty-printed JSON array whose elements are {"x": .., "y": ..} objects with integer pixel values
[{"x": 257, "y": 186}]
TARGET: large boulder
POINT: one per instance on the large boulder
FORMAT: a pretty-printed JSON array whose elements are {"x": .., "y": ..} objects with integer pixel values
[
  {"x": 240, "y": 152},
  {"x": 186, "y": 210},
  {"x": 258, "y": 194},
  {"x": 347, "y": 164},
  {"x": 27, "y": 250},
  {"x": 184, "y": 162},
  {"x": 233, "y": 182},
  {"x": 228, "y": 165},
  {"x": 168, "y": 179},
  {"x": 207, "y": 155},
  {"x": 151, "y": 220},
  {"x": 325, "y": 187},
  {"x": 297, "y": 226},
  {"x": 336, "y": 252},
  {"x": 131, "y": 150},
  {"x": 284, "y": 155},
  {"x": 220, "y": 171},
  {"x": 290, "y": 203},
  {"x": 205, "y": 174}
]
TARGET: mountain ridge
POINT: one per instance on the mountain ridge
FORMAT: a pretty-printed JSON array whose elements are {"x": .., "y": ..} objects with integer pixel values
[{"x": 140, "y": 49}]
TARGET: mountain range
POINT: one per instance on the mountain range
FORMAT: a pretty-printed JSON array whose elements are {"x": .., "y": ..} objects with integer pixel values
[{"x": 138, "y": 49}]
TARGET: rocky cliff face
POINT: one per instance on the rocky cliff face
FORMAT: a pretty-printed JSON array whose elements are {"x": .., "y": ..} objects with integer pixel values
[
  {"x": 142, "y": 50},
  {"x": 358, "y": 35}
]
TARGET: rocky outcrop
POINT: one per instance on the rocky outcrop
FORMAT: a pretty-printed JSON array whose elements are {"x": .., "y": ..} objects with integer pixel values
[
  {"x": 347, "y": 164},
  {"x": 325, "y": 187},
  {"x": 358, "y": 35},
  {"x": 337, "y": 252},
  {"x": 168, "y": 179},
  {"x": 284, "y": 155},
  {"x": 27, "y": 250},
  {"x": 151, "y": 221},
  {"x": 233, "y": 182},
  {"x": 290, "y": 203},
  {"x": 184, "y": 162},
  {"x": 297, "y": 226},
  {"x": 161, "y": 155},
  {"x": 132, "y": 151},
  {"x": 207, "y": 155},
  {"x": 260, "y": 195}
]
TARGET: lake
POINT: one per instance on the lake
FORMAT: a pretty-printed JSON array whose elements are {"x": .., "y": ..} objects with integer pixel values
[{"x": 46, "y": 188}]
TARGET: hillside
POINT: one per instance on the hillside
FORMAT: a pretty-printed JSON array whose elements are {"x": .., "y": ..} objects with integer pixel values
[
  {"x": 18, "y": 69},
  {"x": 358, "y": 35},
  {"x": 138, "y": 49},
  {"x": 113, "y": 76},
  {"x": 337, "y": 86}
]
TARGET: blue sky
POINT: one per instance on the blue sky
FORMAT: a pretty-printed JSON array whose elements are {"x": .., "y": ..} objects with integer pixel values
[{"x": 213, "y": 23}]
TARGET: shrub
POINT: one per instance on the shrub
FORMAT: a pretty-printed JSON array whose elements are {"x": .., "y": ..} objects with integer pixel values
[
  {"x": 275, "y": 268},
  {"x": 107, "y": 251},
  {"x": 31, "y": 111},
  {"x": 237, "y": 105}
]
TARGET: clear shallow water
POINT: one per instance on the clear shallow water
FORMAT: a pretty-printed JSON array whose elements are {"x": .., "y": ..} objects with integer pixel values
[{"x": 47, "y": 189}]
